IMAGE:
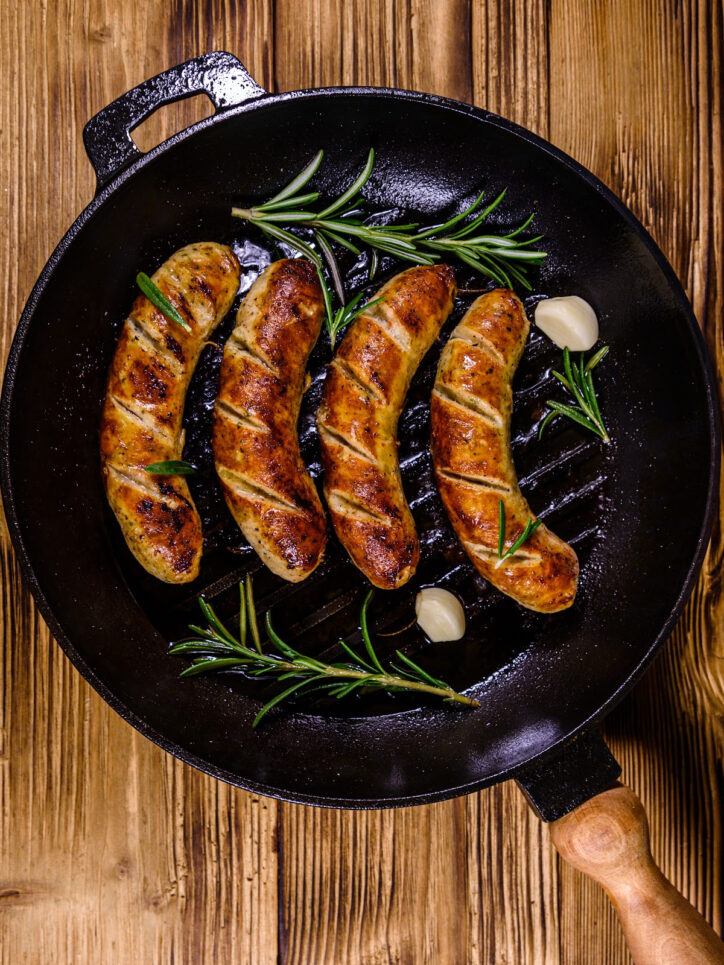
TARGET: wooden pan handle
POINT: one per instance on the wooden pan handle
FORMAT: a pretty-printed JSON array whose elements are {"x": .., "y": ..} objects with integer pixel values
[{"x": 607, "y": 838}]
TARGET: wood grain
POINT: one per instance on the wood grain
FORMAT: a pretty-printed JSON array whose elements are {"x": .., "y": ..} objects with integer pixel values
[
  {"x": 111, "y": 851},
  {"x": 607, "y": 838}
]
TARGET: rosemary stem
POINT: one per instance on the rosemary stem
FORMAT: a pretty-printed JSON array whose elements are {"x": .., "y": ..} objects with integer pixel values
[
  {"x": 216, "y": 649},
  {"x": 387, "y": 680},
  {"x": 503, "y": 258}
]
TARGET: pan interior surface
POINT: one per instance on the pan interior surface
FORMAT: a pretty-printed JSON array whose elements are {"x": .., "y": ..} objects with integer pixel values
[{"x": 635, "y": 511}]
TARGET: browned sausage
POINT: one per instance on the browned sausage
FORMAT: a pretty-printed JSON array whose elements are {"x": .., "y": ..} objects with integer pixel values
[
  {"x": 143, "y": 410},
  {"x": 470, "y": 409},
  {"x": 267, "y": 487},
  {"x": 363, "y": 396}
]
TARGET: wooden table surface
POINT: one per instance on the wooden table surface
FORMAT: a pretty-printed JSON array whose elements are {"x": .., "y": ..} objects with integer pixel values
[{"x": 113, "y": 852}]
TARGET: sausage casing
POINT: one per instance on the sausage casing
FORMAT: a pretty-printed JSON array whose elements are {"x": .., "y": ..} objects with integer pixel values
[
  {"x": 363, "y": 396},
  {"x": 266, "y": 484},
  {"x": 143, "y": 408},
  {"x": 471, "y": 407}
]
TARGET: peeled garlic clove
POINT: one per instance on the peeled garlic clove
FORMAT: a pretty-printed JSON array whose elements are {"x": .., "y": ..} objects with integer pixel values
[
  {"x": 568, "y": 321},
  {"x": 440, "y": 614}
]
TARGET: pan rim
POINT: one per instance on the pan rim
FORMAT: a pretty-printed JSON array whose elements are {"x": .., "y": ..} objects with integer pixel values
[{"x": 14, "y": 527}]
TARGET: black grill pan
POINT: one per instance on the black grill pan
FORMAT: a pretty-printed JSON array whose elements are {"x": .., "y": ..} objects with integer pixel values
[{"x": 638, "y": 512}]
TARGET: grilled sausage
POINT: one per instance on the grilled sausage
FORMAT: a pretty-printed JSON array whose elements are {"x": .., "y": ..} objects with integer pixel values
[
  {"x": 141, "y": 423},
  {"x": 265, "y": 482},
  {"x": 364, "y": 393},
  {"x": 470, "y": 408}
]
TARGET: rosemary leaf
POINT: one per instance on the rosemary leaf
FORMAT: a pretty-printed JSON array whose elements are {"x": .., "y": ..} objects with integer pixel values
[
  {"x": 551, "y": 415},
  {"x": 588, "y": 382},
  {"x": 215, "y": 623},
  {"x": 292, "y": 240},
  {"x": 472, "y": 225},
  {"x": 355, "y": 657},
  {"x": 353, "y": 189},
  {"x": 278, "y": 699},
  {"x": 251, "y": 614},
  {"x": 213, "y": 663},
  {"x": 439, "y": 229},
  {"x": 295, "y": 202},
  {"x": 344, "y": 690},
  {"x": 401, "y": 672},
  {"x": 521, "y": 227},
  {"x": 206, "y": 633},
  {"x": 334, "y": 271},
  {"x": 477, "y": 265},
  {"x": 563, "y": 380},
  {"x": 298, "y": 182},
  {"x": 341, "y": 240},
  {"x": 519, "y": 276},
  {"x": 243, "y": 619},
  {"x": 366, "y": 635},
  {"x": 336, "y": 321},
  {"x": 199, "y": 646},
  {"x": 288, "y": 217},
  {"x": 282, "y": 647},
  {"x": 530, "y": 527},
  {"x": 559, "y": 408},
  {"x": 154, "y": 295},
  {"x": 419, "y": 671},
  {"x": 598, "y": 357},
  {"x": 327, "y": 296},
  {"x": 575, "y": 380},
  {"x": 173, "y": 467}
]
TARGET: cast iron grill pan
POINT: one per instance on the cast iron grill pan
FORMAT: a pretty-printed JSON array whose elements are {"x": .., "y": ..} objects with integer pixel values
[{"x": 637, "y": 511}]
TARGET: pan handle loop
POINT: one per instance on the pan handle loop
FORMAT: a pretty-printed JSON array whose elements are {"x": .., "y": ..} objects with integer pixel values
[{"x": 107, "y": 135}]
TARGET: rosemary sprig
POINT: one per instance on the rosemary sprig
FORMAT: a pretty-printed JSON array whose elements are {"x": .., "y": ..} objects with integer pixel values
[
  {"x": 578, "y": 380},
  {"x": 214, "y": 648},
  {"x": 335, "y": 321},
  {"x": 530, "y": 527},
  {"x": 157, "y": 297},
  {"x": 501, "y": 257},
  {"x": 173, "y": 467}
]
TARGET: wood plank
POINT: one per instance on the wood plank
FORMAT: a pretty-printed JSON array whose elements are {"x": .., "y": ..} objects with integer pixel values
[
  {"x": 516, "y": 907},
  {"x": 647, "y": 82},
  {"x": 365, "y": 887},
  {"x": 510, "y": 61},
  {"x": 108, "y": 843},
  {"x": 463, "y": 846},
  {"x": 110, "y": 850},
  {"x": 339, "y": 903}
]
